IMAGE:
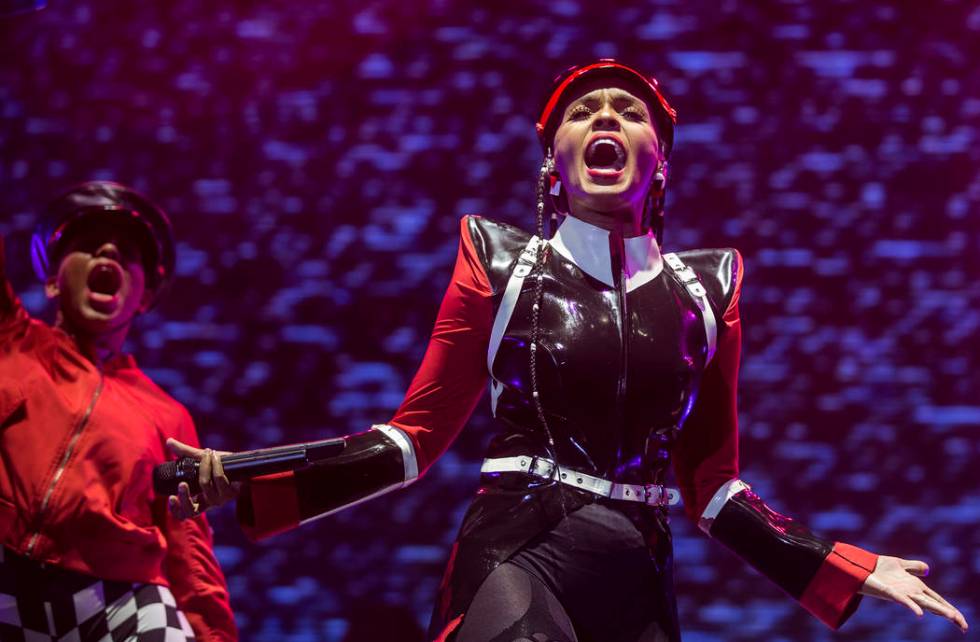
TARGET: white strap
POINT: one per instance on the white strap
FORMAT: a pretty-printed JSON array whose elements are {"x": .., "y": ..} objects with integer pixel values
[
  {"x": 727, "y": 490},
  {"x": 508, "y": 302},
  {"x": 539, "y": 466},
  {"x": 690, "y": 279},
  {"x": 651, "y": 494},
  {"x": 405, "y": 444}
]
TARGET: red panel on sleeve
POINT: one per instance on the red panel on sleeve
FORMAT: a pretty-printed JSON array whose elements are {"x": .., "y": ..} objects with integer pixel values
[
  {"x": 275, "y": 505},
  {"x": 832, "y": 595},
  {"x": 706, "y": 454},
  {"x": 453, "y": 373}
]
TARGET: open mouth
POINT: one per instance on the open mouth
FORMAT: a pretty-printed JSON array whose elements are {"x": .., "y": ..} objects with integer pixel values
[
  {"x": 105, "y": 278},
  {"x": 605, "y": 154}
]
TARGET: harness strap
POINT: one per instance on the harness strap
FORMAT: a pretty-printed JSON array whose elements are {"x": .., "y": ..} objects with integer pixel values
[
  {"x": 508, "y": 302},
  {"x": 689, "y": 278}
]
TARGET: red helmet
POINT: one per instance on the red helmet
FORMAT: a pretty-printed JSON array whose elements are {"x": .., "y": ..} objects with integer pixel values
[{"x": 663, "y": 114}]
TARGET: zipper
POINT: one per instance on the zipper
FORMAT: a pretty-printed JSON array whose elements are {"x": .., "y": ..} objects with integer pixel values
[
  {"x": 624, "y": 334},
  {"x": 63, "y": 465},
  {"x": 624, "y": 329}
]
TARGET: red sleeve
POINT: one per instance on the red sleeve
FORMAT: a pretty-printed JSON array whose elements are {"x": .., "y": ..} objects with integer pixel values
[
  {"x": 453, "y": 373},
  {"x": 832, "y": 595},
  {"x": 706, "y": 454},
  {"x": 195, "y": 577},
  {"x": 438, "y": 403}
]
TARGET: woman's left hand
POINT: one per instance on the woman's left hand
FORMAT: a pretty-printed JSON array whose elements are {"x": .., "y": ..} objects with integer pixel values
[{"x": 898, "y": 580}]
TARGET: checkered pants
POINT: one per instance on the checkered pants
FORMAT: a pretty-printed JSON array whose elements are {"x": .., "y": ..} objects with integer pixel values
[{"x": 40, "y": 603}]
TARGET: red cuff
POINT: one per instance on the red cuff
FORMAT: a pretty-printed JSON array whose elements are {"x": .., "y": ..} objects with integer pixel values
[
  {"x": 832, "y": 595},
  {"x": 274, "y": 506},
  {"x": 450, "y": 628}
]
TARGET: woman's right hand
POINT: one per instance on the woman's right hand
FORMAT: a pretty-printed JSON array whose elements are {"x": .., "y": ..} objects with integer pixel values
[
  {"x": 897, "y": 580},
  {"x": 216, "y": 489}
]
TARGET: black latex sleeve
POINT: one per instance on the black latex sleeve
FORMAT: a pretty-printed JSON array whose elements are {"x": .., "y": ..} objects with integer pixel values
[
  {"x": 372, "y": 463},
  {"x": 780, "y": 548}
]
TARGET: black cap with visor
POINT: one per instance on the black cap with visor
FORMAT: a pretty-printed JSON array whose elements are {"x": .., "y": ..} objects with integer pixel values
[{"x": 119, "y": 209}]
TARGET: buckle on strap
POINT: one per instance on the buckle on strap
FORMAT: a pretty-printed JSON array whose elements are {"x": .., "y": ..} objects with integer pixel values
[
  {"x": 532, "y": 465},
  {"x": 650, "y": 494},
  {"x": 653, "y": 494}
]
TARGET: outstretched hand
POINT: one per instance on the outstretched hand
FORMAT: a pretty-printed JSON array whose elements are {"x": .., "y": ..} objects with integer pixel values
[
  {"x": 216, "y": 489},
  {"x": 898, "y": 580}
]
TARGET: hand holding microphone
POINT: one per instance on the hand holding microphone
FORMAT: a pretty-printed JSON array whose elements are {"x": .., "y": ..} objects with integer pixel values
[
  {"x": 202, "y": 478},
  {"x": 213, "y": 486}
]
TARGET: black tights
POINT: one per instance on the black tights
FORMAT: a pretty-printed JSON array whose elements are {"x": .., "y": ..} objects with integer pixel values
[{"x": 513, "y": 605}]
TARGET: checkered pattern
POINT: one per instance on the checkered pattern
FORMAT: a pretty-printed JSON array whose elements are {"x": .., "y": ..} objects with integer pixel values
[{"x": 54, "y": 605}]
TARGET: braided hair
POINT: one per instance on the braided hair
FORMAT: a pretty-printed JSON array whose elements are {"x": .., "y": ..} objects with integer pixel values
[{"x": 537, "y": 274}]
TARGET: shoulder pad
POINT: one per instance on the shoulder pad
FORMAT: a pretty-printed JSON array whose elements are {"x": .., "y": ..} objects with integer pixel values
[
  {"x": 497, "y": 245},
  {"x": 719, "y": 271}
]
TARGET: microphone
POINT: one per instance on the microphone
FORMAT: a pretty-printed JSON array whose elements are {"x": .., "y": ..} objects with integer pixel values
[{"x": 245, "y": 465}]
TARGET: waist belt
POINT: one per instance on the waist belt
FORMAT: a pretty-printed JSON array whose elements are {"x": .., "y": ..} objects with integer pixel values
[{"x": 650, "y": 494}]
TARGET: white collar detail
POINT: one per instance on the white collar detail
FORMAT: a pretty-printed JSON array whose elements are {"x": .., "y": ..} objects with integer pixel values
[{"x": 587, "y": 246}]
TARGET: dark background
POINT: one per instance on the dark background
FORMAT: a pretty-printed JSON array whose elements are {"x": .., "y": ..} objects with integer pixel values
[{"x": 316, "y": 157}]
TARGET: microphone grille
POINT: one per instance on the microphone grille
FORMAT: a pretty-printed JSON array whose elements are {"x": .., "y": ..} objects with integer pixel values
[{"x": 165, "y": 478}]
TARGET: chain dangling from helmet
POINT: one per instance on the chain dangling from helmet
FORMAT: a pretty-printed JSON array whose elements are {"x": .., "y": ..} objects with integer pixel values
[{"x": 537, "y": 273}]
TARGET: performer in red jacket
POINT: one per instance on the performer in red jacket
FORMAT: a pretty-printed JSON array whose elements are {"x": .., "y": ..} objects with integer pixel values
[
  {"x": 88, "y": 553},
  {"x": 608, "y": 361}
]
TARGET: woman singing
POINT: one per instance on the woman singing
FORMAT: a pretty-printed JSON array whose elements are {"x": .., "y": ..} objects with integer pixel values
[{"x": 608, "y": 363}]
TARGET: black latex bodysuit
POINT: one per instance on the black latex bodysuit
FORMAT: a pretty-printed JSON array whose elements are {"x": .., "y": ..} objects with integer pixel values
[
  {"x": 618, "y": 372},
  {"x": 626, "y": 385}
]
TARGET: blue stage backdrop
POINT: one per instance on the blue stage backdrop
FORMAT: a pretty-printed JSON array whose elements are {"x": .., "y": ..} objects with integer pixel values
[{"x": 316, "y": 158}]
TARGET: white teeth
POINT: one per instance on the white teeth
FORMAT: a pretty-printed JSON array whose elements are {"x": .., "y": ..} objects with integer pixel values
[
  {"x": 608, "y": 141},
  {"x": 594, "y": 148}
]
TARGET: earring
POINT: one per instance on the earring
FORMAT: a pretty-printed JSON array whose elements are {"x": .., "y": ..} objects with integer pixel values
[
  {"x": 555, "y": 181},
  {"x": 660, "y": 178}
]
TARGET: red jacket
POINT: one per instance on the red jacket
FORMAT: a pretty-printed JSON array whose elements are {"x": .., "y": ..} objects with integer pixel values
[{"x": 77, "y": 450}]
